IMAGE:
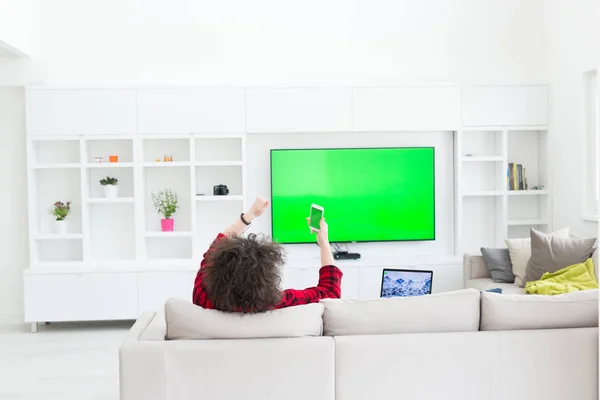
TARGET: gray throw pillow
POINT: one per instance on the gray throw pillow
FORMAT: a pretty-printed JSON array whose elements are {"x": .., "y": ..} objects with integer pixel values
[
  {"x": 550, "y": 253},
  {"x": 498, "y": 262}
]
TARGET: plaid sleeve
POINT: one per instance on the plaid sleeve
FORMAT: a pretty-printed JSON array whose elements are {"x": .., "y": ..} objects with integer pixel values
[
  {"x": 329, "y": 287},
  {"x": 199, "y": 296}
]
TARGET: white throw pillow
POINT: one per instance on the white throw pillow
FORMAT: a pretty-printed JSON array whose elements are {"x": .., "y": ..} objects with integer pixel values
[
  {"x": 501, "y": 312},
  {"x": 186, "y": 321},
  {"x": 456, "y": 311},
  {"x": 520, "y": 253}
]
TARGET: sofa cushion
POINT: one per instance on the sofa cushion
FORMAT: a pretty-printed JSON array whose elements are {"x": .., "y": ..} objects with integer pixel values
[
  {"x": 488, "y": 283},
  {"x": 446, "y": 312},
  {"x": 520, "y": 253},
  {"x": 498, "y": 262},
  {"x": 501, "y": 312},
  {"x": 186, "y": 321},
  {"x": 549, "y": 254}
]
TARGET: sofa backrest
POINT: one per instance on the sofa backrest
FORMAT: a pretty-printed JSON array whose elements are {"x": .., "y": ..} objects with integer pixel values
[{"x": 456, "y": 311}]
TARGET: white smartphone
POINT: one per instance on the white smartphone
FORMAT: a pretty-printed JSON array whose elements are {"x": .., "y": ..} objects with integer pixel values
[{"x": 316, "y": 214}]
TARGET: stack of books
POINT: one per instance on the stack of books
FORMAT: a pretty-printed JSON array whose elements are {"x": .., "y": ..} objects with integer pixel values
[{"x": 516, "y": 177}]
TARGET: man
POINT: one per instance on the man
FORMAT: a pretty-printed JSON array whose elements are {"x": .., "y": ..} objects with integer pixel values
[{"x": 242, "y": 274}]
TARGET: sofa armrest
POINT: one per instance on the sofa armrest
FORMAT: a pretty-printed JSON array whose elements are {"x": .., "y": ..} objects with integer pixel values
[
  {"x": 142, "y": 363},
  {"x": 474, "y": 267}
]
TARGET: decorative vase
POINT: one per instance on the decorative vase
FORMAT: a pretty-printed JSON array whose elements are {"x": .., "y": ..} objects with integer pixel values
[
  {"x": 61, "y": 227},
  {"x": 167, "y": 224},
  {"x": 111, "y": 191},
  {"x": 113, "y": 159}
]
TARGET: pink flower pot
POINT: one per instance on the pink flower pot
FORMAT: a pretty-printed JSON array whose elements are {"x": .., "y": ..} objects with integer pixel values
[{"x": 167, "y": 225}]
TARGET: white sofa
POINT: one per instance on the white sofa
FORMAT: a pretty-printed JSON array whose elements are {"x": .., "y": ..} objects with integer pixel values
[{"x": 445, "y": 357}]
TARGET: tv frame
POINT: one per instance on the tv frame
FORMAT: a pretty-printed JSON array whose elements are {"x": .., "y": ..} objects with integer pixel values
[
  {"x": 360, "y": 148},
  {"x": 403, "y": 270}
]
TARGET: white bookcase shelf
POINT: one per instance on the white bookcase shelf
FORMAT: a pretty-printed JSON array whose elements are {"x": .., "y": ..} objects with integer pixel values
[
  {"x": 107, "y": 232},
  {"x": 487, "y": 212}
]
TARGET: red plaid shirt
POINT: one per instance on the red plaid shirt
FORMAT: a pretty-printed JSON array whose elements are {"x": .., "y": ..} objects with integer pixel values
[{"x": 329, "y": 287}]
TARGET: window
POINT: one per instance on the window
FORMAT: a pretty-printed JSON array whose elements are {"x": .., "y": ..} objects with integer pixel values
[{"x": 592, "y": 159}]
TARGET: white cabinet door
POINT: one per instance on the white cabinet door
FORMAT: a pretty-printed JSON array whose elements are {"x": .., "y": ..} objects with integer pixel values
[
  {"x": 156, "y": 287},
  {"x": 69, "y": 112},
  {"x": 406, "y": 108},
  {"x": 505, "y": 105},
  {"x": 177, "y": 111},
  {"x": 81, "y": 297},
  {"x": 299, "y": 110}
]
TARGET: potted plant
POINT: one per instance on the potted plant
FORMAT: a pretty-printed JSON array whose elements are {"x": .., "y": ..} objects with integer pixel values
[
  {"x": 60, "y": 211},
  {"x": 111, "y": 190},
  {"x": 166, "y": 204}
]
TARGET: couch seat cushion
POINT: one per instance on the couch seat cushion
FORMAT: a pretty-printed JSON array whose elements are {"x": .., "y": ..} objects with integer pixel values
[
  {"x": 445, "y": 312},
  {"x": 501, "y": 312},
  {"x": 488, "y": 283},
  {"x": 186, "y": 321}
]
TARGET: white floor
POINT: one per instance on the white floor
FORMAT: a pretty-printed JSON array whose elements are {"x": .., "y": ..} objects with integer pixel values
[{"x": 61, "y": 362}]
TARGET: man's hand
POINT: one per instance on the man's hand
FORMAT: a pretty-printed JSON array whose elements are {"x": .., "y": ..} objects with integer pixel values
[{"x": 257, "y": 209}]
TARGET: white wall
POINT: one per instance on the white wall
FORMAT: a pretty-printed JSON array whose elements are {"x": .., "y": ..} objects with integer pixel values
[
  {"x": 271, "y": 42},
  {"x": 15, "y": 16},
  {"x": 14, "y": 254},
  {"x": 574, "y": 32}
]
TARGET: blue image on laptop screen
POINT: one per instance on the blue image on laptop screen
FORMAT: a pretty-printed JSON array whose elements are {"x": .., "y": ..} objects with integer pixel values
[{"x": 404, "y": 283}]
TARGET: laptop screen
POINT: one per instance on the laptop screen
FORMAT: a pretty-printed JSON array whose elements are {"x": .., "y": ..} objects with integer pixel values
[{"x": 405, "y": 282}]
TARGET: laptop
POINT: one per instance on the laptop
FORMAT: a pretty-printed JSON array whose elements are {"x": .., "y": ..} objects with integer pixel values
[{"x": 405, "y": 282}]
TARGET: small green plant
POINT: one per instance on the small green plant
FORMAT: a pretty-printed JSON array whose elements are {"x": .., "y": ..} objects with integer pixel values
[
  {"x": 109, "y": 181},
  {"x": 61, "y": 210},
  {"x": 165, "y": 202}
]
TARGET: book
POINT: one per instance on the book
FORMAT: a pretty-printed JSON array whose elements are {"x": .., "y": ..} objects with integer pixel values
[{"x": 520, "y": 185}]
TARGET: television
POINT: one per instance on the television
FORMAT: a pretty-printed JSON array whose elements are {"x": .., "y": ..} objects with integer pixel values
[{"x": 369, "y": 194}]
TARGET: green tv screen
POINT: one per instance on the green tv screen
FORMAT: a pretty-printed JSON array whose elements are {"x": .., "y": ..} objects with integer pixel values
[{"x": 378, "y": 194}]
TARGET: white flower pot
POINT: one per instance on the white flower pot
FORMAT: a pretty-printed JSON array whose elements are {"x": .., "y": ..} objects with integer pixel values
[
  {"x": 111, "y": 191},
  {"x": 61, "y": 227}
]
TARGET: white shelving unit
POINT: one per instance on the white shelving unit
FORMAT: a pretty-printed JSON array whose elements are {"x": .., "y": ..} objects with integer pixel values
[
  {"x": 487, "y": 212},
  {"x": 126, "y": 229}
]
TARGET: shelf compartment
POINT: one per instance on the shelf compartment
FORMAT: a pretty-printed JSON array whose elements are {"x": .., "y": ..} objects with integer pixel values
[
  {"x": 104, "y": 200},
  {"x": 218, "y": 163},
  {"x": 169, "y": 164},
  {"x": 220, "y": 198},
  {"x": 524, "y": 231},
  {"x": 483, "y": 177},
  {"x": 59, "y": 251},
  {"x": 110, "y": 147},
  {"x": 112, "y": 232},
  {"x": 124, "y": 175},
  {"x": 54, "y": 185},
  {"x": 527, "y": 192},
  {"x": 213, "y": 217},
  {"x": 483, "y": 159},
  {"x": 55, "y": 236},
  {"x": 482, "y": 223},
  {"x": 56, "y": 152},
  {"x": 155, "y": 149},
  {"x": 110, "y": 165},
  {"x": 530, "y": 149},
  {"x": 208, "y": 177},
  {"x": 58, "y": 166},
  {"x": 218, "y": 149},
  {"x": 176, "y": 179},
  {"x": 161, "y": 234},
  {"x": 169, "y": 248},
  {"x": 482, "y": 143},
  {"x": 528, "y": 208},
  {"x": 527, "y": 222},
  {"x": 484, "y": 193}
]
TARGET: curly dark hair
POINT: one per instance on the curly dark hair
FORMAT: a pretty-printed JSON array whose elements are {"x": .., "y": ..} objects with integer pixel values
[{"x": 242, "y": 274}]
